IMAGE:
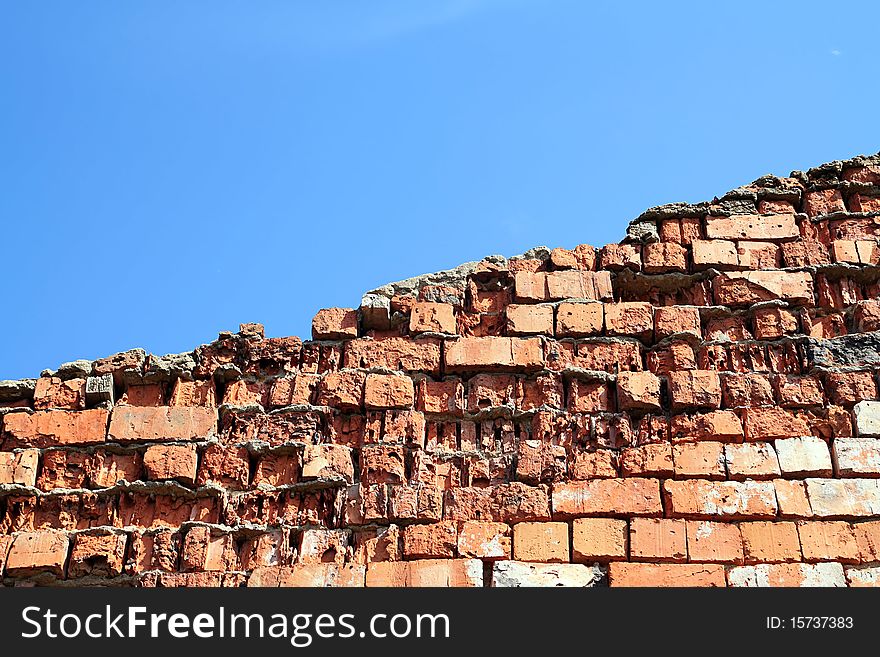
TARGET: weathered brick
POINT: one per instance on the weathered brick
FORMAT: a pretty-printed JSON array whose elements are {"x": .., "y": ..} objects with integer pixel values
[
  {"x": 484, "y": 540},
  {"x": 787, "y": 575},
  {"x": 426, "y": 573},
  {"x": 607, "y": 497},
  {"x": 557, "y": 285},
  {"x": 388, "y": 391},
  {"x": 727, "y": 499},
  {"x": 803, "y": 457},
  {"x": 746, "y": 288},
  {"x": 751, "y": 226},
  {"x": 35, "y": 552},
  {"x": 522, "y": 574},
  {"x": 703, "y": 459},
  {"x": 768, "y": 542},
  {"x": 856, "y": 457},
  {"x": 335, "y": 324},
  {"x": 638, "y": 391},
  {"x": 171, "y": 462},
  {"x": 541, "y": 541},
  {"x": 403, "y": 354},
  {"x": 527, "y": 319},
  {"x": 427, "y": 316},
  {"x": 148, "y": 423},
  {"x": 662, "y": 257},
  {"x": 579, "y": 319},
  {"x": 435, "y": 541},
  {"x": 19, "y": 467},
  {"x": 599, "y": 539},
  {"x": 97, "y": 554},
  {"x": 695, "y": 389},
  {"x": 309, "y": 575},
  {"x": 494, "y": 353},
  {"x": 751, "y": 461},
  {"x": 621, "y": 573},
  {"x": 719, "y": 542},
  {"x": 54, "y": 428},
  {"x": 833, "y": 498},
  {"x": 652, "y": 460},
  {"x": 671, "y": 320},
  {"x": 657, "y": 539},
  {"x": 829, "y": 540}
]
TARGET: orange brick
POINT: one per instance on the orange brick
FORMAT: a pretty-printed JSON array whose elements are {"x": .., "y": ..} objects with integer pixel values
[
  {"x": 52, "y": 392},
  {"x": 310, "y": 575},
  {"x": 171, "y": 462},
  {"x": 662, "y": 257},
  {"x": 388, "y": 391},
  {"x": 299, "y": 389},
  {"x": 632, "y": 318},
  {"x": 529, "y": 319},
  {"x": 792, "y": 498},
  {"x": 694, "y": 389},
  {"x": 194, "y": 393},
  {"x": 494, "y": 353},
  {"x": 849, "y": 388},
  {"x": 828, "y": 540},
  {"x": 638, "y": 391},
  {"x": 589, "y": 397},
  {"x": 335, "y": 324},
  {"x": 598, "y": 539},
  {"x": 751, "y": 226},
  {"x": 621, "y": 573},
  {"x": 798, "y": 391},
  {"x": 484, "y": 540},
  {"x": 746, "y": 389},
  {"x": 427, "y": 316},
  {"x": 823, "y": 201},
  {"x": 404, "y": 354},
  {"x": 714, "y": 425},
  {"x": 725, "y": 499},
  {"x": 54, "y": 428},
  {"x": 758, "y": 255},
  {"x": 718, "y": 254},
  {"x": 751, "y": 461},
  {"x": 868, "y": 539},
  {"x": 579, "y": 319},
  {"x": 541, "y": 541},
  {"x": 558, "y": 285},
  {"x": 145, "y": 423},
  {"x": 704, "y": 459},
  {"x": 765, "y": 542},
  {"x": 435, "y": 541},
  {"x": 245, "y": 393},
  {"x": 152, "y": 394},
  {"x": 34, "y": 552},
  {"x": 672, "y": 320},
  {"x": 763, "y": 424},
  {"x": 97, "y": 554},
  {"x": 657, "y": 539},
  {"x": 19, "y": 468},
  {"x": 445, "y": 396},
  {"x": 607, "y": 497},
  {"x": 747, "y": 288},
  {"x": 343, "y": 390},
  {"x": 652, "y": 460},
  {"x": 773, "y": 323},
  {"x": 714, "y": 542},
  {"x": 426, "y": 573}
]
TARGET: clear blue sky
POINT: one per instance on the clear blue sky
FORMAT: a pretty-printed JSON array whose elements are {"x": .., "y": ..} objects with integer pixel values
[{"x": 171, "y": 169}]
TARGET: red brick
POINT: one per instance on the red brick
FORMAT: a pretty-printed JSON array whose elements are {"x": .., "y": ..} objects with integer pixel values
[
  {"x": 828, "y": 540},
  {"x": 743, "y": 389},
  {"x": 670, "y": 320},
  {"x": 751, "y": 461},
  {"x": 388, "y": 391},
  {"x": 446, "y": 397},
  {"x": 225, "y": 466},
  {"x": 152, "y": 394},
  {"x": 657, "y": 539},
  {"x": 662, "y": 257},
  {"x": 864, "y": 203},
  {"x": 615, "y": 257},
  {"x": 403, "y": 354},
  {"x": 589, "y": 397},
  {"x": 510, "y": 502},
  {"x": 299, "y": 389},
  {"x": 718, "y": 254},
  {"x": 727, "y": 499},
  {"x": 751, "y": 226},
  {"x": 529, "y": 319},
  {"x": 768, "y": 542},
  {"x": 598, "y": 539},
  {"x": 194, "y": 393},
  {"x": 849, "y": 388},
  {"x": 709, "y": 541},
  {"x": 52, "y": 392},
  {"x": 632, "y": 318},
  {"x": 579, "y": 319},
  {"x": 147, "y": 423},
  {"x": 772, "y": 323},
  {"x": 326, "y": 461},
  {"x": 335, "y": 324},
  {"x": 308, "y": 575},
  {"x": 823, "y": 201},
  {"x": 607, "y": 497},
  {"x": 601, "y": 356},
  {"x": 798, "y": 391},
  {"x": 444, "y": 573},
  {"x": 622, "y": 573},
  {"x": 792, "y": 499},
  {"x": 557, "y": 285},
  {"x": 323, "y": 546},
  {"x": 245, "y": 393},
  {"x": 723, "y": 426},
  {"x": 484, "y": 540},
  {"x": 171, "y": 462},
  {"x": 382, "y": 464},
  {"x": 277, "y": 470},
  {"x": 541, "y": 541},
  {"x": 747, "y": 288},
  {"x": 758, "y": 255},
  {"x": 601, "y": 464},
  {"x": 703, "y": 459},
  {"x": 35, "y": 552},
  {"x": 494, "y": 353},
  {"x": 97, "y": 554},
  {"x": 772, "y": 423},
  {"x": 207, "y": 550},
  {"x": 54, "y": 428},
  {"x": 866, "y": 316},
  {"x": 638, "y": 391},
  {"x": 652, "y": 460},
  {"x": 19, "y": 468},
  {"x": 694, "y": 389},
  {"x": 434, "y": 317},
  {"x": 343, "y": 390}
]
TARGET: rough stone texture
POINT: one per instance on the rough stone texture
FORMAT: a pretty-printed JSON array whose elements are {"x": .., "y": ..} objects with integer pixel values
[{"x": 694, "y": 406}]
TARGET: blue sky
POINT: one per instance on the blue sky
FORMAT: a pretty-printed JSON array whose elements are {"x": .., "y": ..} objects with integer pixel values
[{"x": 171, "y": 169}]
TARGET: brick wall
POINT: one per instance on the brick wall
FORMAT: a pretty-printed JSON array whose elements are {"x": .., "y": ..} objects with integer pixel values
[{"x": 696, "y": 405}]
